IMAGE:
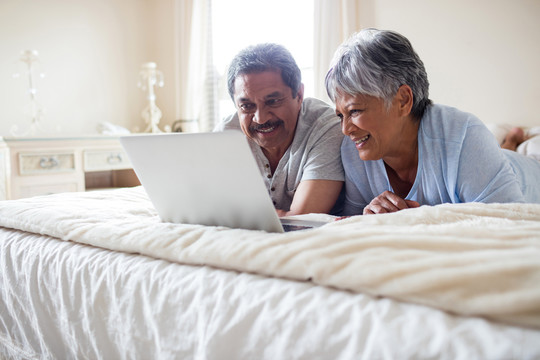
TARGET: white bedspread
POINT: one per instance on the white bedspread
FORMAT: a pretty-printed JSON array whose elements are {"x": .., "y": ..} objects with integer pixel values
[
  {"x": 64, "y": 300},
  {"x": 470, "y": 259}
]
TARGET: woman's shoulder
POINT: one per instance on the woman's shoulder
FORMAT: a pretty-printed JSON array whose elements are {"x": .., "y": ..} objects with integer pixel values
[
  {"x": 447, "y": 122},
  {"x": 445, "y": 113}
]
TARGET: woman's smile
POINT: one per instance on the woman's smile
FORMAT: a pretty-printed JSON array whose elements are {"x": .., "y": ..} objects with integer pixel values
[{"x": 361, "y": 142}]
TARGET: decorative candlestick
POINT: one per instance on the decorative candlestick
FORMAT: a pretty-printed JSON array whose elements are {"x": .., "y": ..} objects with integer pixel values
[
  {"x": 33, "y": 109},
  {"x": 148, "y": 78}
]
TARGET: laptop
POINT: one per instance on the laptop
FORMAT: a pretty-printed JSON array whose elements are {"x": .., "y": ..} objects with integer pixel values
[{"x": 207, "y": 179}]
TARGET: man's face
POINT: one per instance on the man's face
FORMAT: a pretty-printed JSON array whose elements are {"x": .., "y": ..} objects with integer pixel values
[{"x": 267, "y": 111}]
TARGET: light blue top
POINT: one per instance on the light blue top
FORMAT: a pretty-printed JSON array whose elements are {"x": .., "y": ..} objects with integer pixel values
[{"x": 459, "y": 160}]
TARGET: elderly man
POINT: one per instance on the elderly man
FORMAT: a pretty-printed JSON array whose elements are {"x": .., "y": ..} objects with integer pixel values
[{"x": 295, "y": 141}]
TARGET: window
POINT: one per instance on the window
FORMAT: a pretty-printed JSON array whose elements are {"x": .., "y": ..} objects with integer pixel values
[{"x": 240, "y": 23}]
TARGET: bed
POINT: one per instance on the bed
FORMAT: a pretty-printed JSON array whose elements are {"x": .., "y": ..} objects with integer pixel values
[{"x": 97, "y": 275}]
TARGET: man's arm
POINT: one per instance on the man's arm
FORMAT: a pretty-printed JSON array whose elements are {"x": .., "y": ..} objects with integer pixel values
[{"x": 314, "y": 196}]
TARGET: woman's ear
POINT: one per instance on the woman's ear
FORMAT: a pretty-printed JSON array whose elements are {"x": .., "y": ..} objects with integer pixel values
[{"x": 404, "y": 99}]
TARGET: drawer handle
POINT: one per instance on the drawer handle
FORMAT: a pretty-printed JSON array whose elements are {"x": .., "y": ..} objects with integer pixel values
[
  {"x": 48, "y": 163},
  {"x": 114, "y": 159}
]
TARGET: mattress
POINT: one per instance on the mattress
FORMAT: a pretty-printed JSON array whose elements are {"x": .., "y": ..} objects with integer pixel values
[{"x": 81, "y": 279}]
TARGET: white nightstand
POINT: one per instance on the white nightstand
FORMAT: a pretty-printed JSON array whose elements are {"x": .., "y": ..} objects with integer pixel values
[{"x": 39, "y": 166}]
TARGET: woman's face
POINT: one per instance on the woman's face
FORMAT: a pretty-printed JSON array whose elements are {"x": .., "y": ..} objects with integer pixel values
[{"x": 376, "y": 131}]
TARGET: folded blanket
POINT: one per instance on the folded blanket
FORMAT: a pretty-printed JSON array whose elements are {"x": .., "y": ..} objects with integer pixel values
[{"x": 470, "y": 259}]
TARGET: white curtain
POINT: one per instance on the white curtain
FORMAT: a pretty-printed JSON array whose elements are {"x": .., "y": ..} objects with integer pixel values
[
  {"x": 335, "y": 21},
  {"x": 195, "y": 74},
  {"x": 196, "y": 79}
]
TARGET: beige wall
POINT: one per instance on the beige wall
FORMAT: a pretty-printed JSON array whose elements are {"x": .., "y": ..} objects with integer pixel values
[
  {"x": 482, "y": 56},
  {"x": 90, "y": 51}
]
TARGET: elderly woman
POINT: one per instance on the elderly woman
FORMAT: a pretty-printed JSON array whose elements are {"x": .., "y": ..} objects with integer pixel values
[{"x": 403, "y": 151}]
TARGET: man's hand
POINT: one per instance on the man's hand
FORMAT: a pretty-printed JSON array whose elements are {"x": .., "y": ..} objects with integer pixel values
[{"x": 388, "y": 202}]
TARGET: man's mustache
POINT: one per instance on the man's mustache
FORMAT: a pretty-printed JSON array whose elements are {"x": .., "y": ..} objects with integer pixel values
[{"x": 266, "y": 125}]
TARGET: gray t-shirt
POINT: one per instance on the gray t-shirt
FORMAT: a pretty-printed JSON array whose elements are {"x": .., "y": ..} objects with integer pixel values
[{"x": 314, "y": 153}]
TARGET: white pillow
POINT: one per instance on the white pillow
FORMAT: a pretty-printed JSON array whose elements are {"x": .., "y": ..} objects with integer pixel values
[{"x": 531, "y": 147}]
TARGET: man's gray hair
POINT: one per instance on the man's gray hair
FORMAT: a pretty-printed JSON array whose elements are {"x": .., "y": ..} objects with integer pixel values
[
  {"x": 376, "y": 63},
  {"x": 265, "y": 57}
]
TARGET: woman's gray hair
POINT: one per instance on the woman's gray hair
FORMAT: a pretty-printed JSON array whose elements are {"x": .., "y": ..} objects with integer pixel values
[
  {"x": 376, "y": 63},
  {"x": 264, "y": 57}
]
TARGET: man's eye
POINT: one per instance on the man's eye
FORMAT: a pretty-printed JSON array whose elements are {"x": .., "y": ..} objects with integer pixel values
[
  {"x": 247, "y": 107},
  {"x": 274, "y": 102}
]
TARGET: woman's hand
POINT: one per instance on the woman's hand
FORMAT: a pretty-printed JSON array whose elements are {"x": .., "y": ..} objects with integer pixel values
[{"x": 388, "y": 202}]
